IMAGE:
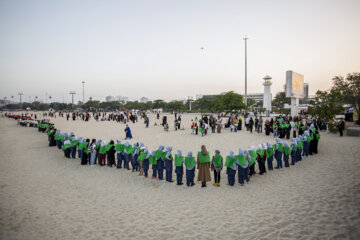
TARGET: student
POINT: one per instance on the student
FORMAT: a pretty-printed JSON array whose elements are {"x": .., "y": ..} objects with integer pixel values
[
  {"x": 252, "y": 155},
  {"x": 135, "y": 154},
  {"x": 316, "y": 141},
  {"x": 84, "y": 157},
  {"x": 153, "y": 162},
  {"x": 92, "y": 151},
  {"x": 140, "y": 160},
  {"x": 98, "y": 144},
  {"x": 145, "y": 162},
  {"x": 286, "y": 154},
  {"x": 166, "y": 128},
  {"x": 216, "y": 166},
  {"x": 127, "y": 131},
  {"x": 179, "y": 169},
  {"x": 128, "y": 155},
  {"x": 159, "y": 157},
  {"x": 203, "y": 165},
  {"x": 73, "y": 146},
  {"x": 190, "y": 164},
  {"x": 275, "y": 129},
  {"x": 243, "y": 166},
  {"x": 270, "y": 156},
  {"x": 119, "y": 148},
  {"x": 278, "y": 153},
  {"x": 293, "y": 151},
  {"x": 66, "y": 148},
  {"x": 261, "y": 156},
  {"x": 306, "y": 141},
  {"x": 80, "y": 147},
  {"x": 230, "y": 163},
  {"x": 299, "y": 150},
  {"x": 111, "y": 154},
  {"x": 168, "y": 159},
  {"x": 102, "y": 152}
]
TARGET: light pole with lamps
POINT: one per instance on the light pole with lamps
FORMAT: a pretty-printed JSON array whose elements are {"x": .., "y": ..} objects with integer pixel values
[
  {"x": 246, "y": 37},
  {"x": 83, "y": 83}
]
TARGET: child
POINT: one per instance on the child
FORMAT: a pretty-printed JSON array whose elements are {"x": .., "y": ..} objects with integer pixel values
[
  {"x": 166, "y": 128},
  {"x": 286, "y": 154},
  {"x": 145, "y": 163},
  {"x": 293, "y": 150},
  {"x": 179, "y": 170},
  {"x": 243, "y": 167},
  {"x": 84, "y": 157},
  {"x": 261, "y": 156},
  {"x": 135, "y": 154},
  {"x": 278, "y": 153},
  {"x": 66, "y": 148},
  {"x": 168, "y": 164},
  {"x": 127, "y": 149},
  {"x": 160, "y": 161},
  {"x": 119, "y": 153},
  {"x": 102, "y": 152},
  {"x": 299, "y": 143},
  {"x": 252, "y": 155},
  {"x": 269, "y": 155},
  {"x": 140, "y": 160},
  {"x": 111, "y": 154},
  {"x": 192, "y": 127},
  {"x": 73, "y": 146},
  {"x": 230, "y": 163},
  {"x": 153, "y": 162},
  {"x": 92, "y": 151},
  {"x": 190, "y": 169},
  {"x": 80, "y": 147},
  {"x": 275, "y": 129},
  {"x": 217, "y": 165},
  {"x": 316, "y": 142}
]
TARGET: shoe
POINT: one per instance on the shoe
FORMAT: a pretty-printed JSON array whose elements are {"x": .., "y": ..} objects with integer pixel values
[
  {"x": 214, "y": 184},
  {"x": 180, "y": 184},
  {"x": 218, "y": 185}
]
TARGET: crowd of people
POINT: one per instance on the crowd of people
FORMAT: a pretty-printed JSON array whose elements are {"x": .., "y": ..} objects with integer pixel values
[{"x": 138, "y": 158}]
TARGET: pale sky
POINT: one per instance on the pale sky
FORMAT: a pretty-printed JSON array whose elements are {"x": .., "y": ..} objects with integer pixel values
[{"x": 152, "y": 48}]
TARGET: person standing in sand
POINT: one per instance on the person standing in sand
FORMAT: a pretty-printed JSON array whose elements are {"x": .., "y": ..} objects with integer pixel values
[{"x": 203, "y": 165}]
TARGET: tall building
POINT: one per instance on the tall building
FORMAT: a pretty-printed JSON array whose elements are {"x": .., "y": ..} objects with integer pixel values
[
  {"x": 306, "y": 91},
  {"x": 267, "y": 94}
]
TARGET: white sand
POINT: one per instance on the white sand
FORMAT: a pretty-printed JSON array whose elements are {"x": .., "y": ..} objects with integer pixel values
[{"x": 45, "y": 196}]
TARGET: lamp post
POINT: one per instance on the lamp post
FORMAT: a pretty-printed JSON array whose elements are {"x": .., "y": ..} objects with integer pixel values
[
  {"x": 72, "y": 96},
  {"x": 83, "y": 83},
  {"x": 20, "y": 94},
  {"x": 246, "y": 37}
]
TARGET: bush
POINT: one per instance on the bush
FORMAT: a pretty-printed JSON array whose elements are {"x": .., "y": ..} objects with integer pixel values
[{"x": 332, "y": 126}]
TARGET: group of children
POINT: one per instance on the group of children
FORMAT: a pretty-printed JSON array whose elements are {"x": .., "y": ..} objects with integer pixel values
[{"x": 140, "y": 159}]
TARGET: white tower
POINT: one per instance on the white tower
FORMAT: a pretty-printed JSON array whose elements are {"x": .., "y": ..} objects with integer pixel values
[{"x": 267, "y": 95}]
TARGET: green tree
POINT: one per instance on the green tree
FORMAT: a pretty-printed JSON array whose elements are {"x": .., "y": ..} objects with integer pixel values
[
  {"x": 159, "y": 104},
  {"x": 326, "y": 104},
  {"x": 230, "y": 102},
  {"x": 175, "y": 106},
  {"x": 349, "y": 89},
  {"x": 280, "y": 99},
  {"x": 251, "y": 102},
  {"x": 204, "y": 104}
]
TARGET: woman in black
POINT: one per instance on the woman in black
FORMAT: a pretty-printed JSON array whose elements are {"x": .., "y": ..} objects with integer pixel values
[
  {"x": 251, "y": 124},
  {"x": 111, "y": 154},
  {"x": 84, "y": 158}
]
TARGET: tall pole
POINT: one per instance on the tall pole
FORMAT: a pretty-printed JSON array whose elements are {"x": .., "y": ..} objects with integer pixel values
[
  {"x": 20, "y": 94},
  {"x": 72, "y": 97},
  {"x": 45, "y": 97},
  {"x": 83, "y": 83},
  {"x": 246, "y": 38}
]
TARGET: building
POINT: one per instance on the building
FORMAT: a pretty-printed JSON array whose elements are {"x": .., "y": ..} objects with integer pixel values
[
  {"x": 258, "y": 97},
  {"x": 306, "y": 91},
  {"x": 144, "y": 100},
  {"x": 109, "y": 98},
  {"x": 119, "y": 99}
]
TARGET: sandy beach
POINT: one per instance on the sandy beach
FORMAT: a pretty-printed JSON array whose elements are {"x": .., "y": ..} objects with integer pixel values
[{"x": 46, "y": 196}]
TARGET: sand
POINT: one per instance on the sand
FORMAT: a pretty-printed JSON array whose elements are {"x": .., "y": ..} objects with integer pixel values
[{"x": 46, "y": 196}]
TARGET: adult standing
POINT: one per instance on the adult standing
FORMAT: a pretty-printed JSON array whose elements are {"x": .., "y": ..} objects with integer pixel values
[
  {"x": 341, "y": 126},
  {"x": 203, "y": 165}
]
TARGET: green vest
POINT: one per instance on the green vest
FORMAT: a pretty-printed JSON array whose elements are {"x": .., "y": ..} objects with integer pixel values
[
  {"x": 318, "y": 136},
  {"x": 86, "y": 148},
  {"x": 189, "y": 162},
  {"x": 65, "y": 146},
  {"x": 260, "y": 152},
  {"x": 287, "y": 151},
  {"x": 242, "y": 159},
  {"x": 280, "y": 147},
  {"x": 204, "y": 158},
  {"x": 158, "y": 154},
  {"x": 82, "y": 145},
  {"x": 217, "y": 161},
  {"x": 269, "y": 152},
  {"x": 294, "y": 147},
  {"x": 308, "y": 139},
  {"x": 152, "y": 160},
  {"x": 56, "y": 137},
  {"x": 178, "y": 160},
  {"x": 275, "y": 126},
  {"x": 300, "y": 145},
  {"x": 130, "y": 149},
  {"x": 103, "y": 149},
  {"x": 142, "y": 156},
  {"x": 119, "y": 147},
  {"x": 229, "y": 161},
  {"x": 74, "y": 143},
  {"x": 252, "y": 154}
]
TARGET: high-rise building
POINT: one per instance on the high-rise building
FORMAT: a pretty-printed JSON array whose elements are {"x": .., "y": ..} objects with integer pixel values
[{"x": 306, "y": 91}]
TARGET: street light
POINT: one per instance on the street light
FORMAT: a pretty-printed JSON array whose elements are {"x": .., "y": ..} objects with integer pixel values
[
  {"x": 83, "y": 83},
  {"x": 246, "y": 37},
  {"x": 72, "y": 96}
]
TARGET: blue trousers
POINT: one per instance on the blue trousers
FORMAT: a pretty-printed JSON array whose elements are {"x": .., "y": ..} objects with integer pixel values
[
  {"x": 298, "y": 155},
  {"x": 135, "y": 163},
  {"x": 80, "y": 153},
  {"x": 190, "y": 174},
  {"x": 243, "y": 174},
  {"x": 73, "y": 152},
  {"x": 128, "y": 158},
  {"x": 306, "y": 149},
  {"x": 168, "y": 170},
  {"x": 145, "y": 167},
  {"x": 278, "y": 156},
  {"x": 119, "y": 157},
  {"x": 154, "y": 168},
  {"x": 58, "y": 144},
  {"x": 231, "y": 176},
  {"x": 270, "y": 162},
  {"x": 293, "y": 157},
  {"x": 160, "y": 165},
  {"x": 179, "y": 173},
  {"x": 286, "y": 160}
]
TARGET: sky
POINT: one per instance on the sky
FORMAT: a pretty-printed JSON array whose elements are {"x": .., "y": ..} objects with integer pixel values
[{"x": 172, "y": 49}]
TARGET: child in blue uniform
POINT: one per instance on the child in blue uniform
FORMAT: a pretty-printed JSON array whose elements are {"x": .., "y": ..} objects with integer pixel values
[
  {"x": 286, "y": 154},
  {"x": 278, "y": 153},
  {"x": 179, "y": 169},
  {"x": 230, "y": 163},
  {"x": 190, "y": 164},
  {"x": 242, "y": 161},
  {"x": 168, "y": 164}
]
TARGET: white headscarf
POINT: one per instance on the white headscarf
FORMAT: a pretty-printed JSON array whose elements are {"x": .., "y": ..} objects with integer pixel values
[
  {"x": 241, "y": 151},
  {"x": 231, "y": 154},
  {"x": 179, "y": 153},
  {"x": 189, "y": 155}
]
